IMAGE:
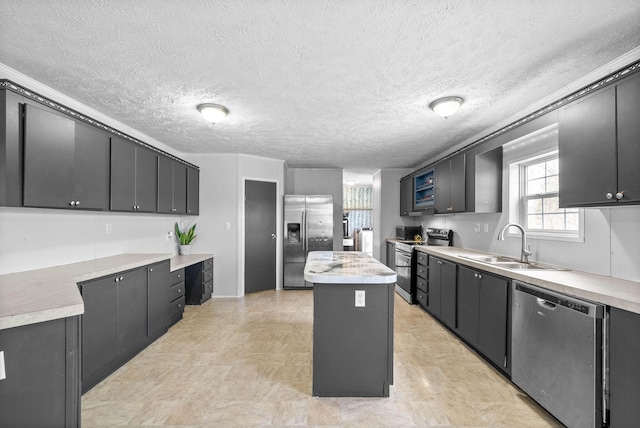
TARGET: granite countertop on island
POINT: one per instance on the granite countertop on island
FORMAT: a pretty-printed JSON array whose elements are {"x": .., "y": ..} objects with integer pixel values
[{"x": 346, "y": 267}]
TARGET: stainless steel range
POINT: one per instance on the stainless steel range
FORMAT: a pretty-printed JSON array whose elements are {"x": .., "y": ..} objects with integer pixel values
[{"x": 405, "y": 261}]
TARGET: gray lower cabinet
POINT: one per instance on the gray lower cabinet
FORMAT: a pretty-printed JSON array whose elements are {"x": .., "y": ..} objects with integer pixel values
[
  {"x": 42, "y": 366},
  {"x": 134, "y": 177},
  {"x": 124, "y": 312},
  {"x": 158, "y": 290},
  {"x": 441, "y": 290},
  {"x": 199, "y": 282},
  {"x": 65, "y": 162},
  {"x": 483, "y": 306},
  {"x": 421, "y": 278},
  {"x": 624, "y": 376},
  {"x": 176, "y": 296}
]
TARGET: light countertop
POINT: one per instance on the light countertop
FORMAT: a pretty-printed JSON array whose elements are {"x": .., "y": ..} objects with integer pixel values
[
  {"x": 619, "y": 293},
  {"x": 346, "y": 267},
  {"x": 51, "y": 293}
]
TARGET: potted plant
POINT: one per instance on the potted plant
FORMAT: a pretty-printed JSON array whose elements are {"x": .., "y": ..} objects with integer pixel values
[{"x": 185, "y": 238}]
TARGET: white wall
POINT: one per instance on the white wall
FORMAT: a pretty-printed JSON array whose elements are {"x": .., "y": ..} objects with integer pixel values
[
  {"x": 37, "y": 238},
  {"x": 319, "y": 181},
  {"x": 222, "y": 179},
  {"x": 386, "y": 214},
  {"x": 611, "y": 244}
]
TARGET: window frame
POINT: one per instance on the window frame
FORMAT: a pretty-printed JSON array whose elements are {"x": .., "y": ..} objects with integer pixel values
[{"x": 518, "y": 211}]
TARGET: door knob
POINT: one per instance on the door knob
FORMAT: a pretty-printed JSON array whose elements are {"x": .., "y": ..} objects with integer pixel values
[{"x": 273, "y": 236}]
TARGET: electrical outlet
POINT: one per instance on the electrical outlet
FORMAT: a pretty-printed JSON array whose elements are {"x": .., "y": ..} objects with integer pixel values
[
  {"x": 169, "y": 236},
  {"x": 109, "y": 230},
  {"x": 477, "y": 228},
  {"x": 227, "y": 226},
  {"x": 360, "y": 299},
  {"x": 486, "y": 228}
]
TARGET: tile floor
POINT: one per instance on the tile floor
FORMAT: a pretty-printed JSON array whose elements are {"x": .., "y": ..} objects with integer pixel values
[{"x": 247, "y": 362}]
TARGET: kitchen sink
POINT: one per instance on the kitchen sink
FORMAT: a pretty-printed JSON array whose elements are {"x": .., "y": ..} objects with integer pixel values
[
  {"x": 491, "y": 259},
  {"x": 510, "y": 263}
]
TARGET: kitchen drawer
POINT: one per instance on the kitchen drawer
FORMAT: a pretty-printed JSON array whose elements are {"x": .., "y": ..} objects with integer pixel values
[
  {"x": 208, "y": 275},
  {"x": 177, "y": 307},
  {"x": 208, "y": 264},
  {"x": 421, "y": 271},
  {"x": 177, "y": 291},
  {"x": 421, "y": 283},
  {"x": 176, "y": 276},
  {"x": 423, "y": 258},
  {"x": 207, "y": 290},
  {"x": 421, "y": 297}
]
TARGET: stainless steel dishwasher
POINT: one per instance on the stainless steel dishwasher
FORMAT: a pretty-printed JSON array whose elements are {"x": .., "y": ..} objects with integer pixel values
[{"x": 557, "y": 353}]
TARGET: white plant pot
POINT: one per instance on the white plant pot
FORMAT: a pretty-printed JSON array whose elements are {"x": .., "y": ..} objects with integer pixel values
[{"x": 185, "y": 250}]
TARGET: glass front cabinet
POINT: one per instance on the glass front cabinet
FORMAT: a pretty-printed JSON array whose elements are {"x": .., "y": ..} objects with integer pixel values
[{"x": 423, "y": 190}]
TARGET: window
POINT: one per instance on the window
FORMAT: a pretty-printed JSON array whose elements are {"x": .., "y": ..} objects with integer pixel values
[
  {"x": 540, "y": 211},
  {"x": 535, "y": 201}
]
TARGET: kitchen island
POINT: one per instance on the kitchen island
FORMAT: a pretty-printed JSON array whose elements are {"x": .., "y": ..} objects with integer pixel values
[{"x": 352, "y": 324}]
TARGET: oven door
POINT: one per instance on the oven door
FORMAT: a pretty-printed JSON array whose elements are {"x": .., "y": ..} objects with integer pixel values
[{"x": 403, "y": 272}]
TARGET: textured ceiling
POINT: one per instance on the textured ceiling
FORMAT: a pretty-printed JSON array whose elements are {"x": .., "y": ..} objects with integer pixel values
[{"x": 317, "y": 83}]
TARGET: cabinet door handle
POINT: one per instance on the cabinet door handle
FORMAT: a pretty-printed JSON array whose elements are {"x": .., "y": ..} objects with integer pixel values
[
  {"x": 178, "y": 275},
  {"x": 150, "y": 269},
  {"x": 479, "y": 276},
  {"x": 72, "y": 203},
  {"x": 475, "y": 275},
  {"x": 179, "y": 291},
  {"x": 609, "y": 195},
  {"x": 77, "y": 203},
  {"x": 619, "y": 195},
  {"x": 449, "y": 208}
]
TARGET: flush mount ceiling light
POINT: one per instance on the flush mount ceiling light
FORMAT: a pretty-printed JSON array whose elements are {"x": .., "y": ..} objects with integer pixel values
[
  {"x": 213, "y": 113},
  {"x": 350, "y": 182},
  {"x": 446, "y": 106}
]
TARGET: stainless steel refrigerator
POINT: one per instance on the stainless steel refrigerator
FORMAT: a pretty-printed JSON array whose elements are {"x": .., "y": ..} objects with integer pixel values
[{"x": 308, "y": 226}]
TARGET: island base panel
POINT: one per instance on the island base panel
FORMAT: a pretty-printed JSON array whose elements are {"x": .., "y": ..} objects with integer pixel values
[{"x": 352, "y": 346}]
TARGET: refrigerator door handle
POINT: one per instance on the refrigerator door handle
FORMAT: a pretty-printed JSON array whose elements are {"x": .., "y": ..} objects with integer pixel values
[{"x": 304, "y": 233}]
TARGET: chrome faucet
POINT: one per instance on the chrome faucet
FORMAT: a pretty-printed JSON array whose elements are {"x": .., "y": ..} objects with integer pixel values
[{"x": 526, "y": 248}]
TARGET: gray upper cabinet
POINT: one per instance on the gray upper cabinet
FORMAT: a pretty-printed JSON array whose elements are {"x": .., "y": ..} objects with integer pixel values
[
  {"x": 65, "y": 162},
  {"x": 628, "y": 106},
  {"x": 193, "y": 191},
  {"x": 599, "y": 147},
  {"x": 406, "y": 196},
  {"x": 134, "y": 177},
  {"x": 172, "y": 186},
  {"x": 450, "y": 185}
]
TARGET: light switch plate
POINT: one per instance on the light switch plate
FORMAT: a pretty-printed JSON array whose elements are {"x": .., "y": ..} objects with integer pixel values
[{"x": 360, "y": 299}]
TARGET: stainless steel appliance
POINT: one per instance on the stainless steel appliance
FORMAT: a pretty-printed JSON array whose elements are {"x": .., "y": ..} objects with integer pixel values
[
  {"x": 406, "y": 263},
  {"x": 402, "y": 266},
  {"x": 365, "y": 241},
  {"x": 558, "y": 353},
  {"x": 308, "y": 226},
  {"x": 406, "y": 233}
]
